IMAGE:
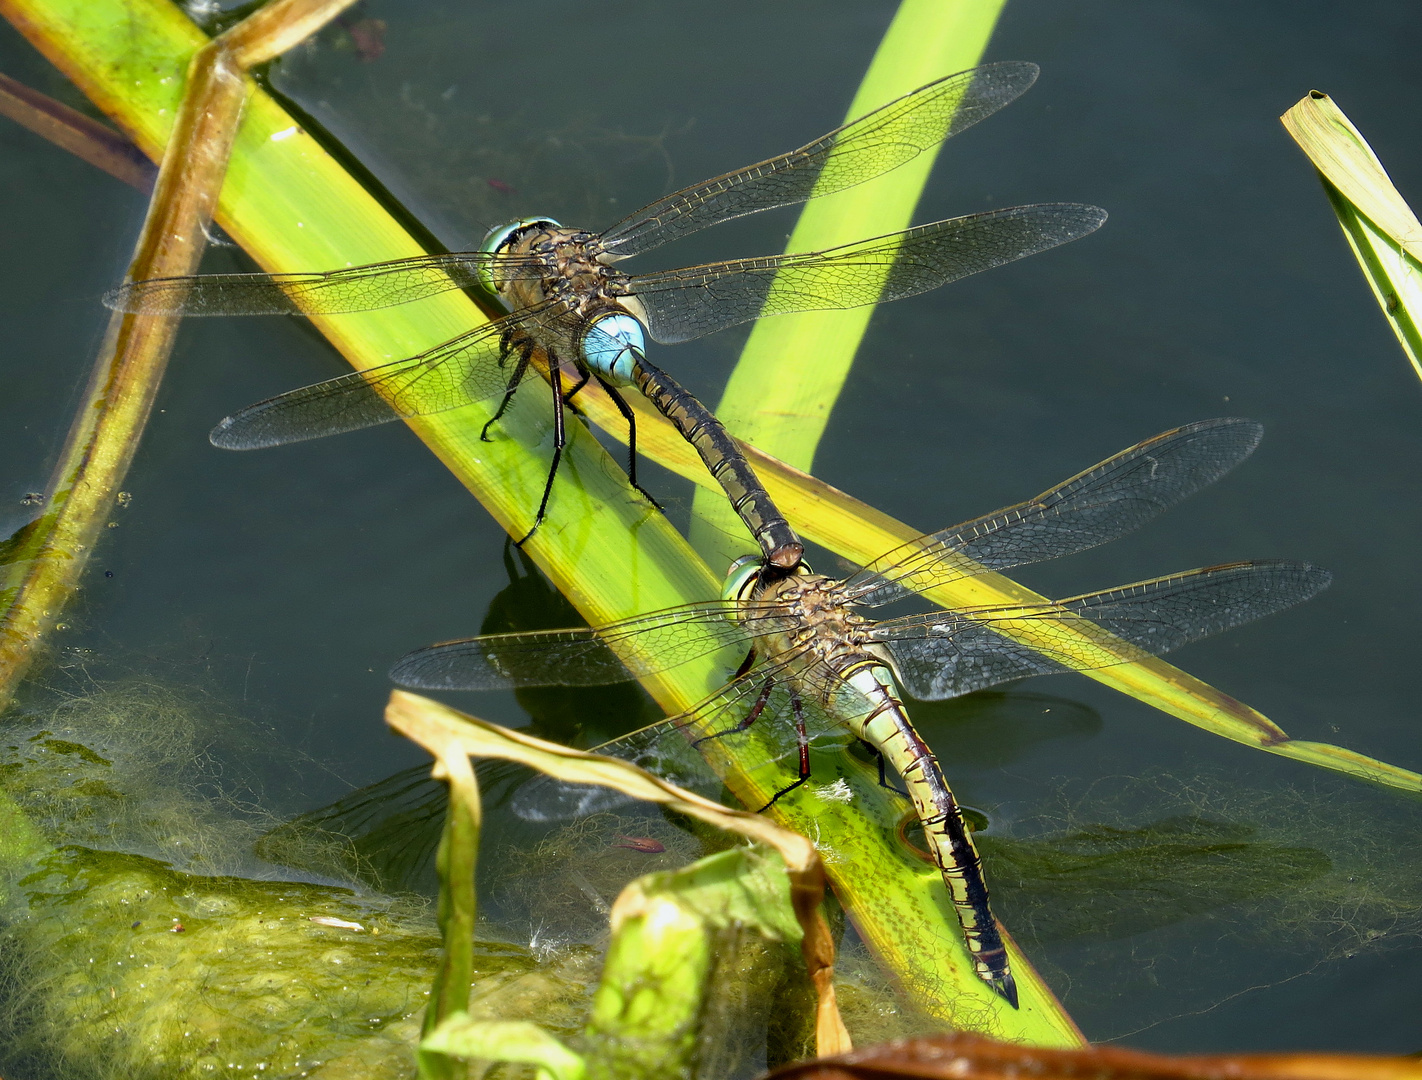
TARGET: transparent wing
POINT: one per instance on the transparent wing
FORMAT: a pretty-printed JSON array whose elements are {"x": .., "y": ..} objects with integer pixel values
[
  {"x": 850, "y": 155},
  {"x": 1106, "y": 501},
  {"x": 463, "y": 370},
  {"x": 669, "y": 749},
  {"x": 459, "y": 372},
  {"x": 945, "y": 654},
  {"x": 697, "y": 300},
  {"x": 333, "y": 292},
  {"x": 589, "y": 656}
]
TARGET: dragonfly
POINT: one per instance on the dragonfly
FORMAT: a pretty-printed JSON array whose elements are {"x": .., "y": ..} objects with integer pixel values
[
  {"x": 566, "y": 298},
  {"x": 816, "y": 668}
]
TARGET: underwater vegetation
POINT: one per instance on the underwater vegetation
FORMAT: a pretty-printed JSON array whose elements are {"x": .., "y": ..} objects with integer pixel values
[{"x": 144, "y": 937}]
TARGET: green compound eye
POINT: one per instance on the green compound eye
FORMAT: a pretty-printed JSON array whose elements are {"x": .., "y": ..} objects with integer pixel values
[
  {"x": 741, "y": 578},
  {"x": 745, "y": 572},
  {"x": 500, "y": 235}
]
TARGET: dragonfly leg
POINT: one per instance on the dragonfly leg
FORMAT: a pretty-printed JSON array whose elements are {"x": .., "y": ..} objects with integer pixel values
[
  {"x": 560, "y": 437},
  {"x": 525, "y": 354},
  {"x": 631, "y": 418},
  {"x": 583, "y": 377},
  {"x": 751, "y": 717},
  {"x": 746, "y": 665},
  {"x": 802, "y": 740},
  {"x": 883, "y": 768}
]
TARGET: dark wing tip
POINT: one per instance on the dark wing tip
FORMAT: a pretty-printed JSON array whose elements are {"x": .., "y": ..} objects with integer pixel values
[
  {"x": 1233, "y": 436},
  {"x": 221, "y": 436},
  {"x": 154, "y": 296},
  {"x": 1068, "y": 220},
  {"x": 1293, "y": 582},
  {"x": 1090, "y": 217},
  {"x": 406, "y": 670},
  {"x": 461, "y": 664},
  {"x": 1241, "y": 423}
]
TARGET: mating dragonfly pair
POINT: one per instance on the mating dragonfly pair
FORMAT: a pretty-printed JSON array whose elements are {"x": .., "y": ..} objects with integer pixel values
[{"x": 814, "y": 667}]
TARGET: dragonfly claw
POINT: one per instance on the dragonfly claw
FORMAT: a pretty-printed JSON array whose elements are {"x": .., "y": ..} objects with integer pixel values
[{"x": 1005, "y": 986}]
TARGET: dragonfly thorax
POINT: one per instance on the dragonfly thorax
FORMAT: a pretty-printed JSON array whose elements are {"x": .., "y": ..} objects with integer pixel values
[
  {"x": 574, "y": 277},
  {"x": 827, "y": 628}
]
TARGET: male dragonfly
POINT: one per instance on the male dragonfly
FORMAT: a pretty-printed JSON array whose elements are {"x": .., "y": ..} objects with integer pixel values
[
  {"x": 566, "y": 298},
  {"x": 815, "y": 668}
]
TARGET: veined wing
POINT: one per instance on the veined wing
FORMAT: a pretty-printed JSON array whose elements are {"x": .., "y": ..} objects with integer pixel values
[
  {"x": 945, "y": 654},
  {"x": 860, "y": 150},
  {"x": 586, "y": 656},
  {"x": 669, "y": 748},
  {"x": 463, "y": 370},
  {"x": 332, "y": 292},
  {"x": 1106, "y": 501},
  {"x": 697, "y": 300}
]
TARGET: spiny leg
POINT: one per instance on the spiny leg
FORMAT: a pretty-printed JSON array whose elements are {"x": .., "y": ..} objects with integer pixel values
[
  {"x": 583, "y": 376},
  {"x": 750, "y": 718},
  {"x": 802, "y": 740},
  {"x": 631, "y": 418},
  {"x": 525, "y": 354},
  {"x": 560, "y": 436}
]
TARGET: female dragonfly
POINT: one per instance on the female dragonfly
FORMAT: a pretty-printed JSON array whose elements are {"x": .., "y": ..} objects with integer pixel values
[
  {"x": 815, "y": 668},
  {"x": 566, "y": 298}
]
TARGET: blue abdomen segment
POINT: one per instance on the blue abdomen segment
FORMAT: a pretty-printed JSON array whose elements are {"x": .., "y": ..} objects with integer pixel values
[{"x": 612, "y": 347}]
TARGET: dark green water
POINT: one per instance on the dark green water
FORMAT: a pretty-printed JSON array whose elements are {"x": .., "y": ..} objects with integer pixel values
[{"x": 283, "y": 583}]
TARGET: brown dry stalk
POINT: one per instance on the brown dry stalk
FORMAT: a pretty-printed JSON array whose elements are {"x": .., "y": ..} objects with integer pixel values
[{"x": 53, "y": 550}]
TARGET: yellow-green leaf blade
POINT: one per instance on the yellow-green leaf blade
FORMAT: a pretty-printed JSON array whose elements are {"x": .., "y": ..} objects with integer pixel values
[
  {"x": 1380, "y": 227},
  {"x": 807, "y": 357}
]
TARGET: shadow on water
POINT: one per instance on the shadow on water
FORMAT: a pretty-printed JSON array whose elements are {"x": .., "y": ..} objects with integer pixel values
[{"x": 576, "y": 716}]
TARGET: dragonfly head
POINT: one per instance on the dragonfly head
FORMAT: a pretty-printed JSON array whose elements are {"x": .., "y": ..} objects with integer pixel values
[
  {"x": 612, "y": 345},
  {"x": 502, "y": 236},
  {"x": 744, "y": 577}
]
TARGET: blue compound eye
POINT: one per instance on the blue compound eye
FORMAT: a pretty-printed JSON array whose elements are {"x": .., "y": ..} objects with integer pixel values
[
  {"x": 612, "y": 345},
  {"x": 741, "y": 577}
]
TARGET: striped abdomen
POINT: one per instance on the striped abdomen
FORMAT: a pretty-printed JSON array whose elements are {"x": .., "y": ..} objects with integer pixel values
[
  {"x": 728, "y": 465},
  {"x": 886, "y": 727}
]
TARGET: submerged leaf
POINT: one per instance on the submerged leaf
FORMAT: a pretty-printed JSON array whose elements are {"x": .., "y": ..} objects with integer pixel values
[
  {"x": 505, "y": 1040},
  {"x": 1106, "y": 881}
]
